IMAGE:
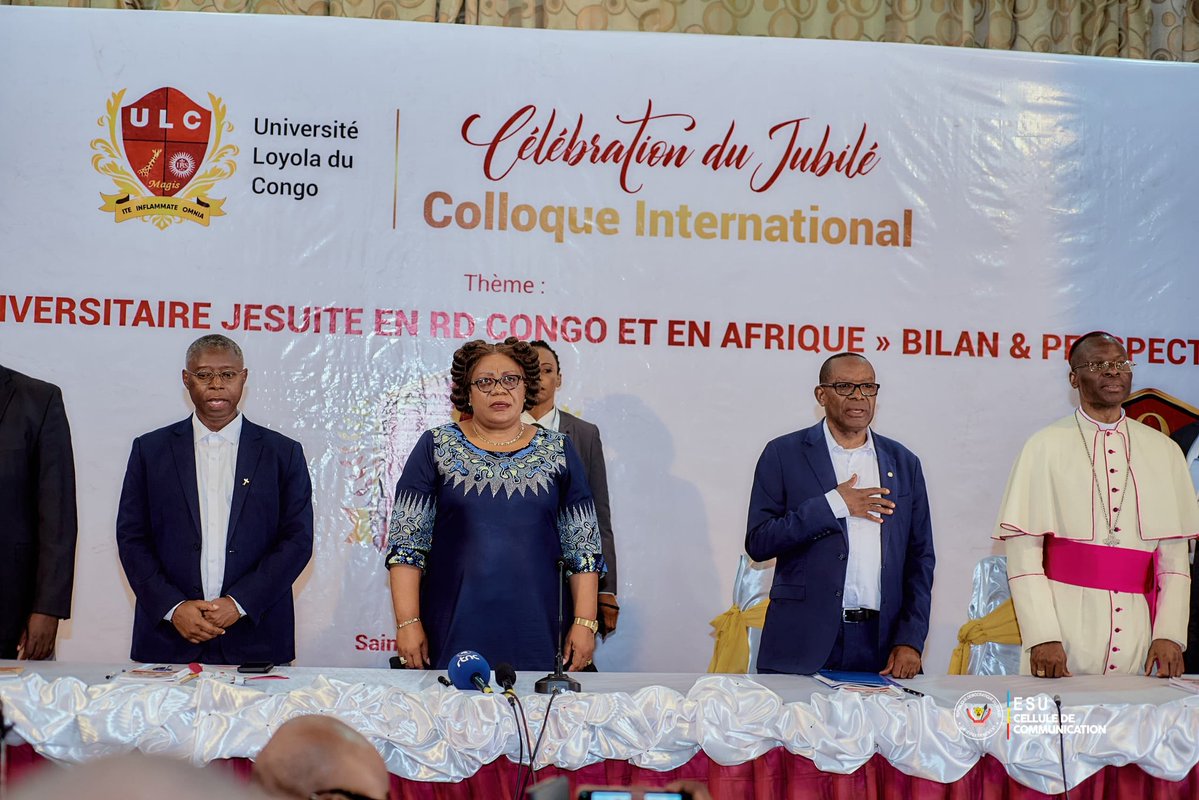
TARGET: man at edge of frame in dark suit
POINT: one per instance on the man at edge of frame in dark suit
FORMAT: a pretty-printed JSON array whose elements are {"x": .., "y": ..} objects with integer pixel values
[{"x": 40, "y": 521}]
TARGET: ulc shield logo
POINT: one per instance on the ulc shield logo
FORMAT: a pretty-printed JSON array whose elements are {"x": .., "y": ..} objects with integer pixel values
[
  {"x": 164, "y": 151},
  {"x": 166, "y": 136}
]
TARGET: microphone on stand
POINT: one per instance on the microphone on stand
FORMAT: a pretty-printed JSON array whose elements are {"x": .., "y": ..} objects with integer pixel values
[
  {"x": 505, "y": 676},
  {"x": 558, "y": 681},
  {"x": 1061, "y": 740},
  {"x": 469, "y": 670}
]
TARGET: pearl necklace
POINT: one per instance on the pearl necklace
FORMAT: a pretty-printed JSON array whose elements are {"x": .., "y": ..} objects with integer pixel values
[{"x": 511, "y": 441}]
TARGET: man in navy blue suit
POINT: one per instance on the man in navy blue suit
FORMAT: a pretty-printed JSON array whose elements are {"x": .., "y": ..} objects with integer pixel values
[
  {"x": 845, "y": 513},
  {"x": 214, "y": 525}
]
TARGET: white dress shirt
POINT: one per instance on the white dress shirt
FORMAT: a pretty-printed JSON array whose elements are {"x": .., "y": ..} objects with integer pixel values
[
  {"x": 863, "y": 569},
  {"x": 549, "y": 421},
  {"x": 216, "y": 460}
]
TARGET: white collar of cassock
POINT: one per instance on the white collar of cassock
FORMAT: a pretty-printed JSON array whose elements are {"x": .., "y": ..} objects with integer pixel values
[{"x": 1103, "y": 426}]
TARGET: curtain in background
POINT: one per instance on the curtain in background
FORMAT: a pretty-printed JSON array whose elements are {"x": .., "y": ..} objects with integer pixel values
[
  {"x": 1158, "y": 29},
  {"x": 1155, "y": 29}
]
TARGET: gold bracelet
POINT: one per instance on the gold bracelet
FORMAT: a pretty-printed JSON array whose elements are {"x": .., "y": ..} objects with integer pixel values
[
  {"x": 590, "y": 624},
  {"x": 407, "y": 622}
]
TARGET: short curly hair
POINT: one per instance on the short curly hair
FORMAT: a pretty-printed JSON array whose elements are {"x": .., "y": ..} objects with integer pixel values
[{"x": 468, "y": 355}]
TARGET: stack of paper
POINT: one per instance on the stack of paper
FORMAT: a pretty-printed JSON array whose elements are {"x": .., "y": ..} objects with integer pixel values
[{"x": 856, "y": 681}]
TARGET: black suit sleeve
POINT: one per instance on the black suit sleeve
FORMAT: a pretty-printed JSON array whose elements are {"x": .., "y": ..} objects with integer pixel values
[
  {"x": 597, "y": 476},
  {"x": 58, "y": 521}
]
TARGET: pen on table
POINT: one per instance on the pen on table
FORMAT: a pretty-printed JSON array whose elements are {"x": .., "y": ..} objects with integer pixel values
[
  {"x": 113, "y": 675},
  {"x": 912, "y": 691}
]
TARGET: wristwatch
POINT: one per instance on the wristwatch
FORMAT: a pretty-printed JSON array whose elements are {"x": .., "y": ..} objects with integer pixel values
[{"x": 590, "y": 624}]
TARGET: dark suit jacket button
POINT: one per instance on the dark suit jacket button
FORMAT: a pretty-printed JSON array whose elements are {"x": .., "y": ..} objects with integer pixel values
[
  {"x": 196, "y": 547},
  {"x": 838, "y": 593},
  {"x": 232, "y": 550},
  {"x": 840, "y": 556},
  {"x": 197, "y": 588}
]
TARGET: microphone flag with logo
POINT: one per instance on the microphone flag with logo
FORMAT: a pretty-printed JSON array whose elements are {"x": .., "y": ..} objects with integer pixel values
[{"x": 469, "y": 670}]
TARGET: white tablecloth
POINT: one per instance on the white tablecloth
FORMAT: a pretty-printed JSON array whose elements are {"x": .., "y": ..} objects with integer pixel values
[{"x": 74, "y": 712}]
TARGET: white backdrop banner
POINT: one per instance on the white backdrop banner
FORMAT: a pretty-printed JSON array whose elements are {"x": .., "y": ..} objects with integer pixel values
[{"x": 352, "y": 200}]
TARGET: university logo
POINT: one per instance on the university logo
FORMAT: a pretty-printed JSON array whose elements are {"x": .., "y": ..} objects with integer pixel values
[{"x": 164, "y": 153}]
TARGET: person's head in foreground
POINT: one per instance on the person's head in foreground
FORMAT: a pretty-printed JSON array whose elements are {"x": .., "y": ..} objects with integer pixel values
[
  {"x": 321, "y": 757},
  {"x": 133, "y": 777}
]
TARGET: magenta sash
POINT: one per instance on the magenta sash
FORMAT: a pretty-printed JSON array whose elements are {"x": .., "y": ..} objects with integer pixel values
[{"x": 1093, "y": 566}]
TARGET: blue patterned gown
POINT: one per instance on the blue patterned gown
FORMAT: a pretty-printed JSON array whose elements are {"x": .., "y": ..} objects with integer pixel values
[{"x": 488, "y": 530}]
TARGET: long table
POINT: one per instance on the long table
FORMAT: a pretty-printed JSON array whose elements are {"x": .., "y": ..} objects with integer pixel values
[{"x": 759, "y": 736}]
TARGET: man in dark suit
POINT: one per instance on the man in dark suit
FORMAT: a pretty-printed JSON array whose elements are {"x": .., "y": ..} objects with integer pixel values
[
  {"x": 214, "y": 526},
  {"x": 586, "y": 438},
  {"x": 1185, "y": 438},
  {"x": 846, "y": 514},
  {"x": 37, "y": 501}
]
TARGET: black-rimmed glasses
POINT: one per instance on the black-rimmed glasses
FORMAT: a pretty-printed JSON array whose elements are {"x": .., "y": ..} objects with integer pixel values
[
  {"x": 845, "y": 388},
  {"x": 508, "y": 382}
]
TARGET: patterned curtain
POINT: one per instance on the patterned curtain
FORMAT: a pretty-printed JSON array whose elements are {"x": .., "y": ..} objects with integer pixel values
[{"x": 1156, "y": 29}]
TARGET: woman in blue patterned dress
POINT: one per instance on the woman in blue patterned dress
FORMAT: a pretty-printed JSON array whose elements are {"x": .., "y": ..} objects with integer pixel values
[{"x": 484, "y": 510}]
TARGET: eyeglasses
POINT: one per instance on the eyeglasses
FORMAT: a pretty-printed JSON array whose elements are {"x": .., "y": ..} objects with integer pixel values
[
  {"x": 1104, "y": 366},
  {"x": 208, "y": 376},
  {"x": 509, "y": 382},
  {"x": 845, "y": 388}
]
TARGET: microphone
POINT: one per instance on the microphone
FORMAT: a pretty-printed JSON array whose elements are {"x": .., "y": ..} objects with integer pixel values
[
  {"x": 505, "y": 676},
  {"x": 469, "y": 670},
  {"x": 1061, "y": 740},
  {"x": 558, "y": 680}
]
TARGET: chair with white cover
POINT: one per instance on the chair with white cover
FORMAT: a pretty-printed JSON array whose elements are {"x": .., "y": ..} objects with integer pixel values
[
  {"x": 739, "y": 630},
  {"x": 992, "y": 635}
]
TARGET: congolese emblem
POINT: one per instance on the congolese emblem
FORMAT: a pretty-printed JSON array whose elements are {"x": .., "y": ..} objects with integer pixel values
[{"x": 164, "y": 153}]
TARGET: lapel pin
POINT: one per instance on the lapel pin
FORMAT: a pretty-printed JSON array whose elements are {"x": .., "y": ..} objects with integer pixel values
[
  {"x": 246, "y": 481},
  {"x": 889, "y": 475}
]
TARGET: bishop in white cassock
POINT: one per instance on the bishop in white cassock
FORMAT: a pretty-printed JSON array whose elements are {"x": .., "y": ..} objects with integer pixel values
[{"x": 1095, "y": 520}]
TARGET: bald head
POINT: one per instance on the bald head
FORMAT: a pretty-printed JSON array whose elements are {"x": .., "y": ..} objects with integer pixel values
[
  {"x": 830, "y": 363},
  {"x": 314, "y": 754}
]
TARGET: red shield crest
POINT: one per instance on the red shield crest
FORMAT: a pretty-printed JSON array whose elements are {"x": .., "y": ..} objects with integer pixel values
[
  {"x": 165, "y": 135},
  {"x": 1159, "y": 410}
]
